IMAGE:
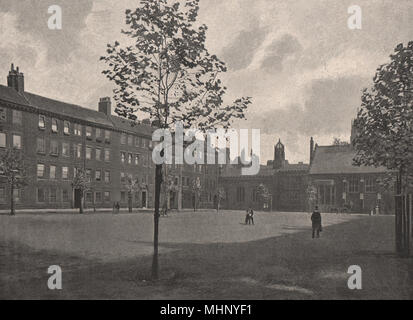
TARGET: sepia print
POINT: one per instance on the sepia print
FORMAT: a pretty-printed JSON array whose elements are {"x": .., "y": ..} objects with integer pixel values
[{"x": 206, "y": 150}]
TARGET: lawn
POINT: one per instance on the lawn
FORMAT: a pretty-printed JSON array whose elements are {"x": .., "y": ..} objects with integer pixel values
[{"x": 203, "y": 255}]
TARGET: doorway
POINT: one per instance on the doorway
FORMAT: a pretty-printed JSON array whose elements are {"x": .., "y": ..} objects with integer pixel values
[
  {"x": 143, "y": 199},
  {"x": 78, "y": 198}
]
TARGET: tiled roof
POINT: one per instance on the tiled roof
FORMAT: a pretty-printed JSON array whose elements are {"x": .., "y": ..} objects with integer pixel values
[
  {"x": 67, "y": 109},
  {"x": 128, "y": 125},
  {"x": 46, "y": 104},
  {"x": 71, "y": 110},
  {"x": 338, "y": 160},
  {"x": 11, "y": 95},
  {"x": 294, "y": 167}
]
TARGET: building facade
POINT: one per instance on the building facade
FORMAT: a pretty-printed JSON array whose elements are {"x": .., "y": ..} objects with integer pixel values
[{"x": 58, "y": 138}]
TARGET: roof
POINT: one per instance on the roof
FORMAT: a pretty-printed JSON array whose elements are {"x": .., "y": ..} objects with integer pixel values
[
  {"x": 131, "y": 126},
  {"x": 71, "y": 110},
  {"x": 294, "y": 167},
  {"x": 235, "y": 171},
  {"x": 338, "y": 160},
  {"x": 10, "y": 95},
  {"x": 67, "y": 109}
]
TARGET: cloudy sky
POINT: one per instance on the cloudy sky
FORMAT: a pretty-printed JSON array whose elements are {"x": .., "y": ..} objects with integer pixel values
[{"x": 302, "y": 65}]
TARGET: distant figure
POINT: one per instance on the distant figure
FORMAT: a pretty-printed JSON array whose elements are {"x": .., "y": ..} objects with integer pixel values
[
  {"x": 117, "y": 207},
  {"x": 316, "y": 222},
  {"x": 250, "y": 216}
]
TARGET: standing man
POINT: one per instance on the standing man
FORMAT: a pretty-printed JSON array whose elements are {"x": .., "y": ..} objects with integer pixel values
[{"x": 316, "y": 222}]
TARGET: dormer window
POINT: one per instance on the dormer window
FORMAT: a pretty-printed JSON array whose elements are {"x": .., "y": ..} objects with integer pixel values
[
  {"x": 66, "y": 128},
  {"x": 88, "y": 132},
  {"x": 54, "y": 125},
  {"x": 42, "y": 122}
]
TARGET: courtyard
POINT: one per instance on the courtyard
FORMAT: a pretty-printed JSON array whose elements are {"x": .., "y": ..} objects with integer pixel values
[{"x": 203, "y": 255}]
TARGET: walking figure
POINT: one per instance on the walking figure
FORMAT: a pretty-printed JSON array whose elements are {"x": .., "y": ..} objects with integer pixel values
[
  {"x": 249, "y": 218},
  {"x": 316, "y": 222}
]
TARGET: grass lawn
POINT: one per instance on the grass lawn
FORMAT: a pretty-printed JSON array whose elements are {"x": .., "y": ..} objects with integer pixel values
[{"x": 203, "y": 255}]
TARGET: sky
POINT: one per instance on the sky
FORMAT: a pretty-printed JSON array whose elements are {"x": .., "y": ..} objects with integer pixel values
[{"x": 298, "y": 60}]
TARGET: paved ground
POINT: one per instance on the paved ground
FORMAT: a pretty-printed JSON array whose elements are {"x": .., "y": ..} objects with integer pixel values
[{"x": 204, "y": 255}]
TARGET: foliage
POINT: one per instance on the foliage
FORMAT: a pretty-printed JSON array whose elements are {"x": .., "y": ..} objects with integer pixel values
[
  {"x": 311, "y": 193},
  {"x": 168, "y": 74},
  {"x": 339, "y": 142},
  {"x": 263, "y": 193},
  {"x": 80, "y": 180},
  {"x": 13, "y": 168},
  {"x": 221, "y": 194},
  {"x": 384, "y": 124}
]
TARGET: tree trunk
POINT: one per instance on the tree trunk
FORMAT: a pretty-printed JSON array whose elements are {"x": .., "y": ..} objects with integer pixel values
[
  {"x": 81, "y": 203},
  {"x": 158, "y": 182},
  {"x": 130, "y": 202},
  {"x": 12, "y": 200},
  {"x": 399, "y": 214}
]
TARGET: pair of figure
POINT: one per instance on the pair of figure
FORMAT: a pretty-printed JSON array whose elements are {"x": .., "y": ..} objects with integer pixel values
[{"x": 249, "y": 218}]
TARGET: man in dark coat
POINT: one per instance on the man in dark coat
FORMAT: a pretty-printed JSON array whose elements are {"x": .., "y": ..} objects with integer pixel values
[{"x": 316, "y": 222}]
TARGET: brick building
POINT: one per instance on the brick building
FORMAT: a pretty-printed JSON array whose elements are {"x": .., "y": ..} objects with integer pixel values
[
  {"x": 57, "y": 138},
  {"x": 285, "y": 182},
  {"x": 341, "y": 186}
]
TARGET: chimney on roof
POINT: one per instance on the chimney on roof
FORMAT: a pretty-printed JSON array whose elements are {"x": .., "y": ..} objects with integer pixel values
[
  {"x": 105, "y": 106},
  {"x": 15, "y": 79}
]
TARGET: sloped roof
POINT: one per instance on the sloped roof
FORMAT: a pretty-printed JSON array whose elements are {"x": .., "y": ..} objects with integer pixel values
[
  {"x": 46, "y": 104},
  {"x": 10, "y": 95},
  {"x": 67, "y": 109},
  {"x": 128, "y": 125},
  {"x": 338, "y": 160},
  {"x": 294, "y": 167},
  {"x": 71, "y": 110}
]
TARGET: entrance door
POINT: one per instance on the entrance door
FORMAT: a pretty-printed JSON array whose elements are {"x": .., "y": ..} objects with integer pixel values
[
  {"x": 78, "y": 198},
  {"x": 143, "y": 199}
]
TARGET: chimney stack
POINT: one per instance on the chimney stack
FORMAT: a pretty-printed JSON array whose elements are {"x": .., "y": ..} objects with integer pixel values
[
  {"x": 105, "y": 106},
  {"x": 15, "y": 79}
]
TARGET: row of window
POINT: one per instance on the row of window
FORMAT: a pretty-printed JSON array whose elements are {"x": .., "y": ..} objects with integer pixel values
[
  {"x": 69, "y": 128},
  {"x": 90, "y": 152},
  {"x": 63, "y": 173},
  {"x": 354, "y": 185},
  {"x": 17, "y": 116},
  {"x": 16, "y": 140},
  {"x": 136, "y": 158},
  {"x": 136, "y": 141},
  {"x": 144, "y": 179},
  {"x": 75, "y": 129}
]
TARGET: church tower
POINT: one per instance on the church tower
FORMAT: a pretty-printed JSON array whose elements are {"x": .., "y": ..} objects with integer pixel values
[{"x": 279, "y": 155}]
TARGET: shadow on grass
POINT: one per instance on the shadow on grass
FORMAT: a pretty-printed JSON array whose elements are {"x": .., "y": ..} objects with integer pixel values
[{"x": 289, "y": 266}]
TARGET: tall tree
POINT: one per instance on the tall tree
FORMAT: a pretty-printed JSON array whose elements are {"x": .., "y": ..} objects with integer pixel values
[
  {"x": 384, "y": 123},
  {"x": 166, "y": 73},
  {"x": 13, "y": 168}
]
